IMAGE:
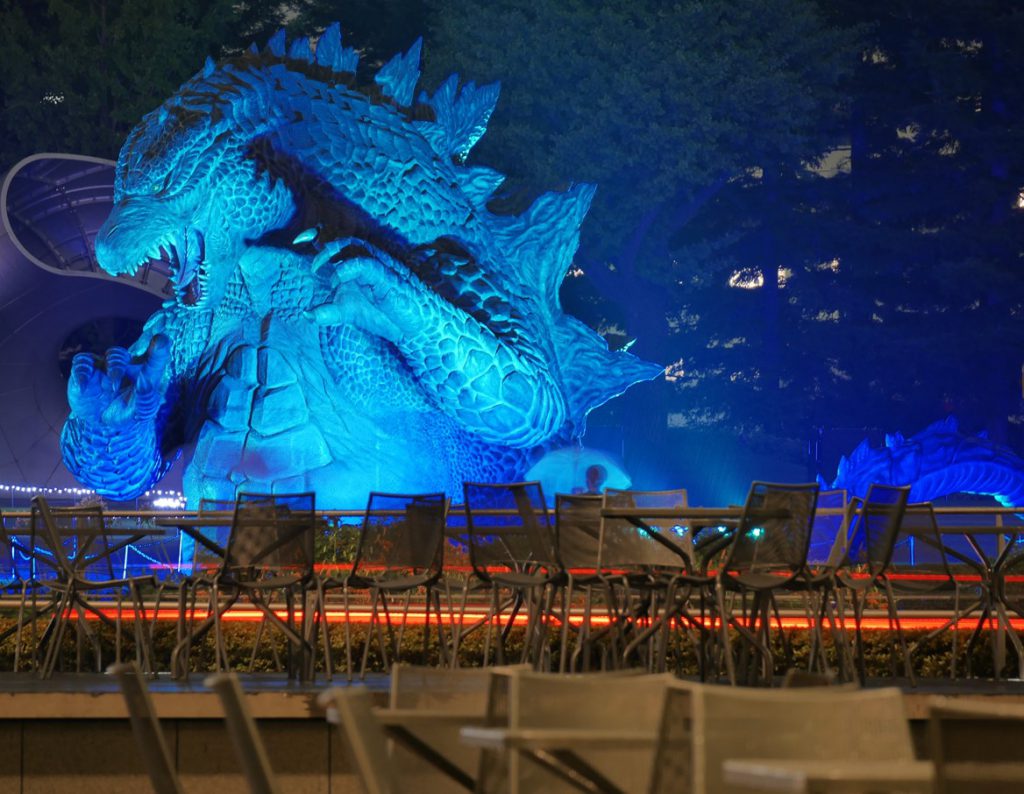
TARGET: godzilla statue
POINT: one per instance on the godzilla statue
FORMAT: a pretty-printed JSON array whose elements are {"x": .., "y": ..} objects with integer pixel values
[
  {"x": 938, "y": 461},
  {"x": 349, "y": 315}
]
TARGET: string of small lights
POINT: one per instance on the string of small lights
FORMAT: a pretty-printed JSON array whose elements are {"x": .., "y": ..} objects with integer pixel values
[{"x": 160, "y": 498}]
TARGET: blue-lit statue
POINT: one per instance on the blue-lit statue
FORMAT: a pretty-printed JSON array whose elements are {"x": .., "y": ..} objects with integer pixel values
[
  {"x": 348, "y": 313},
  {"x": 938, "y": 461}
]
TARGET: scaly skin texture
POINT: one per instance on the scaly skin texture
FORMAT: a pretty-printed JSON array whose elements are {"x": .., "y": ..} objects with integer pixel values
[
  {"x": 938, "y": 461},
  {"x": 349, "y": 315}
]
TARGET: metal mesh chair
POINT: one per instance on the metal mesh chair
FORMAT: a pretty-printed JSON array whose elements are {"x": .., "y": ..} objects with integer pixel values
[
  {"x": 1008, "y": 596},
  {"x": 767, "y": 553},
  {"x": 827, "y": 525},
  {"x": 73, "y": 543},
  {"x": 512, "y": 547},
  {"x": 921, "y": 570},
  {"x": 578, "y": 535},
  {"x": 19, "y": 579},
  {"x": 195, "y": 562},
  {"x": 871, "y": 543},
  {"x": 647, "y": 573},
  {"x": 822, "y": 600},
  {"x": 270, "y": 552},
  {"x": 400, "y": 550}
]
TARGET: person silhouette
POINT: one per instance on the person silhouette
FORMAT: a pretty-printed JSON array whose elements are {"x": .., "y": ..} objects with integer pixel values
[{"x": 596, "y": 476}]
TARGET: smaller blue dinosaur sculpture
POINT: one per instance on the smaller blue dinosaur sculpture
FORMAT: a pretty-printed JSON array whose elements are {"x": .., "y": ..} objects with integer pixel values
[{"x": 938, "y": 461}]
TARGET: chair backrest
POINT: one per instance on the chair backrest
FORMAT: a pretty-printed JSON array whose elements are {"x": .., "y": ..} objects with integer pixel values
[
  {"x": 149, "y": 737},
  {"x": 873, "y": 535},
  {"x": 272, "y": 537},
  {"x": 665, "y": 543},
  {"x": 70, "y": 540},
  {"x": 509, "y": 527},
  {"x": 420, "y": 687},
  {"x": 587, "y": 701},
  {"x": 202, "y": 557},
  {"x": 816, "y": 723},
  {"x": 774, "y": 531},
  {"x": 462, "y": 692},
  {"x": 402, "y": 534},
  {"x": 672, "y": 770},
  {"x": 976, "y": 746},
  {"x": 245, "y": 737},
  {"x": 919, "y": 546},
  {"x": 827, "y": 526},
  {"x": 578, "y": 530},
  {"x": 364, "y": 737},
  {"x": 797, "y": 678}
]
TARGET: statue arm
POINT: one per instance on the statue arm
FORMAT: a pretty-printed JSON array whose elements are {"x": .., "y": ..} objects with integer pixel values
[
  {"x": 114, "y": 439},
  {"x": 496, "y": 389}
]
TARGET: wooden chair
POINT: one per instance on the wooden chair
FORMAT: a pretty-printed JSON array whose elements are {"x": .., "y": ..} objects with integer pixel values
[
  {"x": 364, "y": 736},
  {"x": 435, "y": 703},
  {"x": 149, "y": 737},
  {"x": 704, "y": 726},
  {"x": 584, "y": 703},
  {"x": 244, "y": 735},
  {"x": 976, "y": 746}
]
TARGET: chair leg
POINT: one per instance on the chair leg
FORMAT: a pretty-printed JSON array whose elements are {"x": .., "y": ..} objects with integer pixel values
[
  {"x": 723, "y": 624},
  {"x": 908, "y": 665},
  {"x": 442, "y": 640},
  {"x": 325, "y": 635}
]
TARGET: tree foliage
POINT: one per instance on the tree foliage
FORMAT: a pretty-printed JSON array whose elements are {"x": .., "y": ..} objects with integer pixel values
[
  {"x": 658, "y": 103},
  {"x": 860, "y": 160},
  {"x": 78, "y": 74}
]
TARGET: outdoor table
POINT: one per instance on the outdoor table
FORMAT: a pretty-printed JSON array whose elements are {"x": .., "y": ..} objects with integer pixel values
[
  {"x": 85, "y": 537},
  {"x": 1006, "y": 539},
  {"x": 829, "y": 776},
  {"x": 557, "y": 750},
  {"x": 695, "y": 517},
  {"x": 192, "y": 525}
]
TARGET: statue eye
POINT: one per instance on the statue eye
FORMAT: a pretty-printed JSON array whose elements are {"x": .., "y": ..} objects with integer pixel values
[{"x": 162, "y": 186}]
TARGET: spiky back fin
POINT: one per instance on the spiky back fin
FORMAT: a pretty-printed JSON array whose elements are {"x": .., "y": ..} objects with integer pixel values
[
  {"x": 544, "y": 239},
  {"x": 299, "y": 50},
  {"x": 950, "y": 424},
  {"x": 461, "y": 116},
  {"x": 332, "y": 55},
  {"x": 591, "y": 373},
  {"x": 398, "y": 77},
  {"x": 275, "y": 44},
  {"x": 479, "y": 183}
]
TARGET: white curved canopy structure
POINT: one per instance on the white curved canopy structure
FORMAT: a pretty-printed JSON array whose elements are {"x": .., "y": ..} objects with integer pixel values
[{"x": 55, "y": 301}]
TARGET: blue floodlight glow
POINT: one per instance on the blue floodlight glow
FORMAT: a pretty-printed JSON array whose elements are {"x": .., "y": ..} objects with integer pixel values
[{"x": 348, "y": 315}]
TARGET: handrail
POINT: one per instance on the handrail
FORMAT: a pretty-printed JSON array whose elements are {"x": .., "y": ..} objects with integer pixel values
[{"x": 457, "y": 509}]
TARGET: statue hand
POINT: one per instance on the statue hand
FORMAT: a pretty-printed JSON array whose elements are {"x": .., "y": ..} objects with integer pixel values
[{"x": 118, "y": 388}]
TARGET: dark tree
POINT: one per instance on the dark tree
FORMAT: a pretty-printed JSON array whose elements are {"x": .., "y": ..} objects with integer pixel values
[{"x": 76, "y": 76}]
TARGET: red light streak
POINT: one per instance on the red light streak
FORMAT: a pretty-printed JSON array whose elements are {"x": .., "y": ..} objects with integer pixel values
[{"x": 417, "y": 617}]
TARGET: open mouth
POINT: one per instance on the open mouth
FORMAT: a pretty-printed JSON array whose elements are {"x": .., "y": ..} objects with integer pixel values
[{"x": 185, "y": 258}]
